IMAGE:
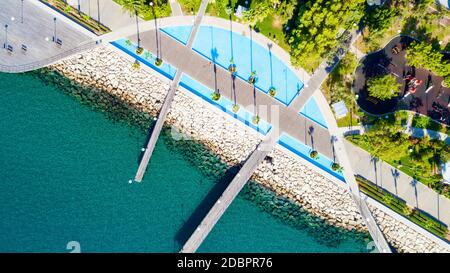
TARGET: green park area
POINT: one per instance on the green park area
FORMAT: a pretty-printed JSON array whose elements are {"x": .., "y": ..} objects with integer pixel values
[
  {"x": 309, "y": 30},
  {"x": 398, "y": 205},
  {"x": 420, "y": 158},
  {"x": 78, "y": 16},
  {"x": 420, "y": 19}
]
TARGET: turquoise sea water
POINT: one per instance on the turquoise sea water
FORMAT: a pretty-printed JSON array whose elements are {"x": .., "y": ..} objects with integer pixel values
[{"x": 64, "y": 171}]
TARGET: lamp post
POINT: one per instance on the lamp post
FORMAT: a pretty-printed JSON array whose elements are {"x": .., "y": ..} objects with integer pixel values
[
  {"x": 21, "y": 11},
  {"x": 5, "y": 45},
  {"x": 98, "y": 12},
  {"x": 54, "y": 29},
  {"x": 158, "y": 57}
]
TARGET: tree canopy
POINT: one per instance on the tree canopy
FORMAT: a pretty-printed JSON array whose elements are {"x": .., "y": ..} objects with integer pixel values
[
  {"x": 379, "y": 18},
  {"x": 387, "y": 140},
  {"x": 423, "y": 55},
  {"x": 318, "y": 26},
  {"x": 143, "y": 8},
  {"x": 256, "y": 14},
  {"x": 383, "y": 87}
]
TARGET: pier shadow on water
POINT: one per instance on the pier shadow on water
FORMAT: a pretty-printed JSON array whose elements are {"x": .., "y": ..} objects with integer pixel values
[
  {"x": 204, "y": 207},
  {"x": 147, "y": 139}
]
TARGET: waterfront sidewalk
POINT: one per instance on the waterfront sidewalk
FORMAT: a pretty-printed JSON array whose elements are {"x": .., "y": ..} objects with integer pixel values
[
  {"x": 31, "y": 38},
  {"x": 389, "y": 178},
  {"x": 111, "y": 13}
]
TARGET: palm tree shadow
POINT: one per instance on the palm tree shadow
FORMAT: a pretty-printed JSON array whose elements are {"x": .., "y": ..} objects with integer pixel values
[
  {"x": 414, "y": 184},
  {"x": 311, "y": 135},
  {"x": 269, "y": 46},
  {"x": 214, "y": 56},
  {"x": 233, "y": 88},
  {"x": 333, "y": 139},
  {"x": 374, "y": 160},
  {"x": 395, "y": 174},
  {"x": 205, "y": 205},
  {"x": 157, "y": 36}
]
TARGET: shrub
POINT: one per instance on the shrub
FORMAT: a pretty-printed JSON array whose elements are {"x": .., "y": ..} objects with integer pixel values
[
  {"x": 139, "y": 50},
  {"x": 408, "y": 211},
  {"x": 256, "y": 119},
  {"x": 272, "y": 91},
  {"x": 136, "y": 65},
  {"x": 147, "y": 55},
  {"x": 314, "y": 154},
  {"x": 383, "y": 87},
  {"x": 215, "y": 96},
  {"x": 252, "y": 79},
  {"x": 232, "y": 68},
  {"x": 421, "y": 122},
  {"x": 158, "y": 61},
  {"x": 336, "y": 167}
]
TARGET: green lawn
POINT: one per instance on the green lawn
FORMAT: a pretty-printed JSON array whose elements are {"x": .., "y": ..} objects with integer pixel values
[
  {"x": 346, "y": 121},
  {"x": 218, "y": 9},
  {"x": 272, "y": 29},
  {"x": 398, "y": 117},
  {"x": 424, "y": 122},
  {"x": 269, "y": 27},
  {"x": 405, "y": 164}
]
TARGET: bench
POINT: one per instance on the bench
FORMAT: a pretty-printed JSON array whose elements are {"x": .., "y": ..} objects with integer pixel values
[
  {"x": 372, "y": 100},
  {"x": 24, "y": 48},
  {"x": 9, "y": 48},
  {"x": 59, "y": 42}
]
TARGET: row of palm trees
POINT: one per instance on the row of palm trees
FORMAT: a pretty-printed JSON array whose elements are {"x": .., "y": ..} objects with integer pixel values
[{"x": 132, "y": 7}]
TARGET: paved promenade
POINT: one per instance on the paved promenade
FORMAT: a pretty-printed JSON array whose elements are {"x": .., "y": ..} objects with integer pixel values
[
  {"x": 414, "y": 193},
  {"x": 203, "y": 71},
  {"x": 36, "y": 33},
  {"x": 109, "y": 12},
  {"x": 176, "y": 8}
]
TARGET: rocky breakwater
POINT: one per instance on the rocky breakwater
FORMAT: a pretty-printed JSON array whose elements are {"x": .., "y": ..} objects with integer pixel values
[
  {"x": 288, "y": 176},
  {"x": 232, "y": 141}
]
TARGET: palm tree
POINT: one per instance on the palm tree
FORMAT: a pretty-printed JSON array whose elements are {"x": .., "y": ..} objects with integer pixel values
[
  {"x": 158, "y": 60},
  {"x": 131, "y": 6},
  {"x": 98, "y": 12}
]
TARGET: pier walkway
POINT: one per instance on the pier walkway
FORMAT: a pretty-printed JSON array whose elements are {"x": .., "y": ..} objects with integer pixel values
[
  {"x": 224, "y": 201},
  {"x": 168, "y": 101}
]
